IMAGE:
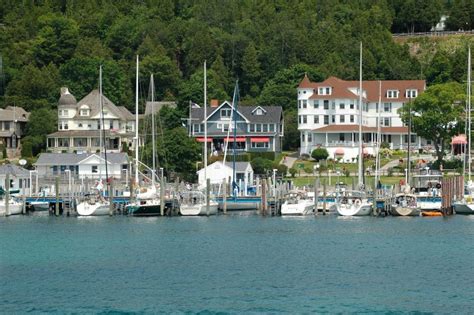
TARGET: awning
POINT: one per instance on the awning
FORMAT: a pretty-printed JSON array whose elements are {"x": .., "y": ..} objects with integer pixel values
[
  {"x": 339, "y": 151},
  {"x": 238, "y": 139},
  {"x": 260, "y": 139},
  {"x": 461, "y": 139},
  {"x": 201, "y": 139}
]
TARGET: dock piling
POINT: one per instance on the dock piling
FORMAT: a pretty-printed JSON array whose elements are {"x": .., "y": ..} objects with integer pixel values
[
  {"x": 324, "y": 198},
  {"x": 208, "y": 194},
  {"x": 316, "y": 192},
  {"x": 56, "y": 188},
  {"x": 162, "y": 196},
  {"x": 7, "y": 195},
  {"x": 111, "y": 197},
  {"x": 224, "y": 196}
]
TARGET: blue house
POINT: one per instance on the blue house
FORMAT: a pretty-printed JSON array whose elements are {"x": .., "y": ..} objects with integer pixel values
[{"x": 259, "y": 128}]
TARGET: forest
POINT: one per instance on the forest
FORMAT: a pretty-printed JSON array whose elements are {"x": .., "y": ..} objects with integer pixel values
[{"x": 266, "y": 45}]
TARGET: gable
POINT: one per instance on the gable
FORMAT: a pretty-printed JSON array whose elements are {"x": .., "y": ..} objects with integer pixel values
[
  {"x": 224, "y": 113},
  {"x": 93, "y": 160}
]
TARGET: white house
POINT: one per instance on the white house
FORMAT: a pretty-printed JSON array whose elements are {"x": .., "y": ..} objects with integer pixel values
[
  {"x": 19, "y": 178},
  {"x": 328, "y": 115},
  {"x": 217, "y": 172},
  {"x": 88, "y": 165},
  {"x": 79, "y": 125}
]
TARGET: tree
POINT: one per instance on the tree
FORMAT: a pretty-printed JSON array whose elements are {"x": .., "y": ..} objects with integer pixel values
[
  {"x": 320, "y": 154},
  {"x": 261, "y": 165},
  {"x": 291, "y": 140},
  {"x": 251, "y": 72},
  {"x": 41, "y": 122},
  {"x": 437, "y": 114},
  {"x": 56, "y": 39}
]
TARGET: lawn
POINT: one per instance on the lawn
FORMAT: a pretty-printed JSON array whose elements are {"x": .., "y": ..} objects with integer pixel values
[
  {"x": 305, "y": 181},
  {"x": 336, "y": 166}
]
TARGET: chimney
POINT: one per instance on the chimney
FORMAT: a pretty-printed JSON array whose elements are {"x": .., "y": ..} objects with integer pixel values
[
  {"x": 214, "y": 103},
  {"x": 64, "y": 90}
]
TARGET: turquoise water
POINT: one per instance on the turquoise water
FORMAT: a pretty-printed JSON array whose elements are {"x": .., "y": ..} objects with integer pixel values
[{"x": 236, "y": 264}]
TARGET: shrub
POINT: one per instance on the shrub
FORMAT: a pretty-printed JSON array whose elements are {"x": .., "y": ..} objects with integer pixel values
[
  {"x": 261, "y": 166},
  {"x": 385, "y": 145},
  {"x": 282, "y": 169},
  {"x": 308, "y": 170},
  {"x": 293, "y": 171},
  {"x": 265, "y": 155},
  {"x": 320, "y": 154}
]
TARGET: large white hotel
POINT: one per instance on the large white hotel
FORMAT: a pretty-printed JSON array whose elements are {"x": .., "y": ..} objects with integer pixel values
[{"x": 328, "y": 115}]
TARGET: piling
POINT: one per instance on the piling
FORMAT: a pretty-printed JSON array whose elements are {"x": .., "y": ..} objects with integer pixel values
[
  {"x": 23, "y": 209},
  {"x": 111, "y": 197},
  {"x": 56, "y": 188},
  {"x": 316, "y": 192},
  {"x": 264, "y": 197},
  {"x": 162, "y": 196},
  {"x": 208, "y": 194},
  {"x": 324, "y": 198},
  {"x": 224, "y": 196},
  {"x": 7, "y": 194},
  {"x": 259, "y": 193}
]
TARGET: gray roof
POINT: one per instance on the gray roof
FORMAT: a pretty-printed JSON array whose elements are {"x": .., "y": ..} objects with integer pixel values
[
  {"x": 239, "y": 166},
  {"x": 272, "y": 114},
  {"x": 93, "y": 101},
  {"x": 12, "y": 113},
  {"x": 46, "y": 159},
  {"x": 157, "y": 106},
  {"x": 13, "y": 170},
  {"x": 66, "y": 98}
]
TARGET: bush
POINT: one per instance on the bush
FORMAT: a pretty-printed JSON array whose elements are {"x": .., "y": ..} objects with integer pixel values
[
  {"x": 265, "y": 155},
  {"x": 282, "y": 169},
  {"x": 293, "y": 171},
  {"x": 308, "y": 170},
  {"x": 385, "y": 145},
  {"x": 320, "y": 154},
  {"x": 261, "y": 166},
  {"x": 4, "y": 151}
]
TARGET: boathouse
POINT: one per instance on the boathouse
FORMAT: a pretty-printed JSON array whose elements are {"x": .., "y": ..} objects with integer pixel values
[
  {"x": 18, "y": 176},
  {"x": 218, "y": 171}
]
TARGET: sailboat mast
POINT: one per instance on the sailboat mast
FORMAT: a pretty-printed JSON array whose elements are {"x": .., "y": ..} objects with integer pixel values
[
  {"x": 235, "y": 102},
  {"x": 361, "y": 171},
  {"x": 205, "y": 124},
  {"x": 469, "y": 113},
  {"x": 103, "y": 126},
  {"x": 152, "y": 83},
  {"x": 136, "y": 125},
  {"x": 379, "y": 137}
]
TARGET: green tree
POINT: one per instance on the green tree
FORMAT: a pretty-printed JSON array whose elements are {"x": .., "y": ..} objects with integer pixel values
[
  {"x": 291, "y": 140},
  {"x": 41, "y": 122},
  {"x": 56, "y": 40},
  {"x": 261, "y": 165},
  {"x": 437, "y": 114},
  {"x": 165, "y": 75},
  {"x": 251, "y": 72},
  {"x": 439, "y": 71},
  {"x": 320, "y": 154}
]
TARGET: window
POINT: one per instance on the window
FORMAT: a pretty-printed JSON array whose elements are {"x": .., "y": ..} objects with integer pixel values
[
  {"x": 260, "y": 145},
  {"x": 111, "y": 124},
  {"x": 95, "y": 142},
  {"x": 333, "y": 105},
  {"x": 386, "y": 121},
  {"x": 94, "y": 169},
  {"x": 80, "y": 142},
  {"x": 63, "y": 142},
  {"x": 196, "y": 127},
  {"x": 310, "y": 138},
  {"x": 302, "y": 137},
  {"x": 351, "y": 105},
  {"x": 271, "y": 127},
  {"x": 80, "y": 125},
  {"x": 258, "y": 127},
  {"x": 299, "y": 119},
  {"x": 324, "y": 91},
  {"x": 251, "y": 127},
  {"x": 258, "y": 112},
  {"x": 316, "y": 104},
  {"x": 342, "y": 119},
  {"x": 316, "y": 119},
  {"x": 305, "y": 103},
  {"x": 6, "y": 125},
  {"x": 411, "y": 93},
  {"x": 351, "y": 117},
  {"x": 63, "y": 112},
  {"x": 305, "y": 119},
  {"x": 299, "y": 103},
  {"x": 326, "y": 104},
  {"x": 333, "y": 119},
  {"x": 51, "y": 143},
  {"x": 341, "y": 137},
  {"x": 226, "y": 113},
  {"x": 341, "y": 106},
  {"x": 84, "y": 112},
  {"x": 98, "y": 124},
  {"x": 387, "y": 107},
  {"x": 326, "y": 119},
  {"x": 392, "y": 94},
  {"x": 413, "y": 138},
  {"x": 265, "y": 128}
]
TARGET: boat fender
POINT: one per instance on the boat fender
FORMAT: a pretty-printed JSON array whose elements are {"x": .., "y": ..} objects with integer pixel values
[
  {"x": 438, "y": 185},
  {"x": 357, "y": 202}
]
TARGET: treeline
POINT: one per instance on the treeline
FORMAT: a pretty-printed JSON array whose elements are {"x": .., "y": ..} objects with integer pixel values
[{"x": 267, "y": 45}]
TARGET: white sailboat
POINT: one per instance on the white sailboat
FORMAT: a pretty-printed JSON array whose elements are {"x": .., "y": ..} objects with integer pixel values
[
  {"x": 147, "y": 201},
  {"x": 95, "y": 204},
  {"x": 466, "y": 205},
  {"x": 14, "y": 207},
  {"x": 355, "y": 203},
  {"x": 195, "y": 202},
  {"x": 297, "y": 203}
]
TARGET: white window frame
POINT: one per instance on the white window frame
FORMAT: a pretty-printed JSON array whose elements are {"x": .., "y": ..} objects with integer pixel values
[{"x": 225, "y": 113}]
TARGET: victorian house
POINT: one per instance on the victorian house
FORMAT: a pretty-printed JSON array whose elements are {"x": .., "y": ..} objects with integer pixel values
[
  {"x": 328, "y": 115},
  {"x": 80, "y": 125},
  {"x": 12, "y": 128}
]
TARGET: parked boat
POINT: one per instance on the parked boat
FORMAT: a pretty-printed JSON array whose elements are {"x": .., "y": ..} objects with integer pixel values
[
  {"x": 297, "y": 203},
  {"x": 39, "y": 205},
  {"x": 405, "y": 204},
  {"x": 466, "y": 205},
  {"x": 431, "y": 214},
  {"x": 14, "y": 207},
  {"x": 193, "y": 202},
  {"x": 240, "y": 203},
  {"x": 93, "y": 205},
  {"x": 427, "y": 188},
  {"x": 144, "y": 207},
  {"x": 353, "y": 203}
]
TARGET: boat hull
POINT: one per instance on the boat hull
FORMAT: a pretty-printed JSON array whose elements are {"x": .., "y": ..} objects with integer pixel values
[
  {"x": 13, "y": 209},
  {"x": 240, "y": 204},
  {"x": 144, "y": 210},
  {"x": 96, "y": 209},
  {"x": 364, "y": 209},
  {"x": 198, "y": 209},
  {"x": 39, "y": 205},
  {"x": 405, "y": 211},
  {"x": 463, "y": 208},
  {"x": 297, "y": 209}
]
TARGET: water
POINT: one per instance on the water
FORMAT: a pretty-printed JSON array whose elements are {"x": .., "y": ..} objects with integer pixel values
[{"x": 236, "y": 264}]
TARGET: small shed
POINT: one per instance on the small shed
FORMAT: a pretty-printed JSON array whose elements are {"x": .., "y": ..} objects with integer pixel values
[
  {"x": 19, "y": 178},
  {"x": 217, "y": 171}
]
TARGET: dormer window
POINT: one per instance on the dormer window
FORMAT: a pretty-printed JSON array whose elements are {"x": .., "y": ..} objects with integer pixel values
[
  {"x": 225, "y": 113},
  {"x": 84, "y": 111},
  {"x": 258, "y": 112},
  {"x": 392, "y": 93},
  {"x": 324, "y": 91},
  {"x": 411, "y": 93}
]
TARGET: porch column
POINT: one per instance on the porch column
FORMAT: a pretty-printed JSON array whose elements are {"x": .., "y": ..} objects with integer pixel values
[
  {"x": 401, "y": 141},
  {"x": 419, "y": 142},
  {"x": 352, "y": 138},
  {"x": 327, "y": 139}
]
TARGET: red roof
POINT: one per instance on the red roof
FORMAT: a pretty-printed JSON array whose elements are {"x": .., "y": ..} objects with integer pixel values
[{"x": 341, "y": 89}]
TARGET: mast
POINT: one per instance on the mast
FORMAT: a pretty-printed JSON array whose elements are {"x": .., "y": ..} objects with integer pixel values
[
  {"x": 205, "y": 127},
  {"x": 136, "y": 126},
  {"x": 379, "y": 137},
  {"x": 469, "y": 113},
  {"x": 361, "y": 154},
  {"x": 101, "y": 103},
  {"x": 235, "y": 101},
  {"x": 152, "y": 83}
]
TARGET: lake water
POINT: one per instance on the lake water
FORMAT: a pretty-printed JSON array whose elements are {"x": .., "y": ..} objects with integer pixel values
[{"x": 236, "y": 264}]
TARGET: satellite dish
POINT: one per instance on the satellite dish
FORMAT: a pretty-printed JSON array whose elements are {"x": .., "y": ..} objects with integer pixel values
[{"x": 22, "y": 162}]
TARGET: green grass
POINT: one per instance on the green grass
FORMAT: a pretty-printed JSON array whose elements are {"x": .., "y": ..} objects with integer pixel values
[
  {"x": 352, "y": 167},
  {"x": 305, "y": 181}
]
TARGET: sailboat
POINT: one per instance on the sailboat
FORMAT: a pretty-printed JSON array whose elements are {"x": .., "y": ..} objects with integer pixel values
[
  {"x": 195, "y": 202},
  {"x": 466, "y": 205},
  {"x": 95, "y": 204},
  {"x": 147, "y": 202},
  {"x": 355, "y": 203},
  {"x": 14, "y": 207}
]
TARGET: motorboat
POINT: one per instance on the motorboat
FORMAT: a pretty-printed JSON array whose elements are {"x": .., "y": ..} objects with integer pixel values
[{"x": 297, "y": 203}]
